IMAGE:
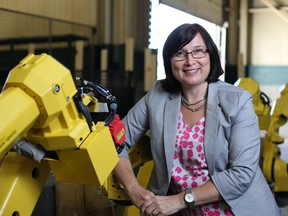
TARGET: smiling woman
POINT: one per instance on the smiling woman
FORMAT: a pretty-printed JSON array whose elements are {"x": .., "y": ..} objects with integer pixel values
[
  {"x": 204, "y": 137},
  {"x": 164, "y": 19}
]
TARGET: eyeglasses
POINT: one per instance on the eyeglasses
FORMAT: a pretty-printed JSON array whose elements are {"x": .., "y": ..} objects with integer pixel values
[{"x": 196, "y": 54}]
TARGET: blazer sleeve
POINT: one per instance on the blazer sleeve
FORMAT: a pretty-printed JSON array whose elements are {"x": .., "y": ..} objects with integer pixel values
[
  {"x": 137, "y": 120},
  {"x": 243, "y": 150}
]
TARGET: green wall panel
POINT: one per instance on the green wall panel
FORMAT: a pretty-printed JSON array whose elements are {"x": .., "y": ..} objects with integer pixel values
[{"x": 272, "y": 75}]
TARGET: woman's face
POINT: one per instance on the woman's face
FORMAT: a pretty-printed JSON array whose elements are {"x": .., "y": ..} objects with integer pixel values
[{"x": 189, "y": 71}]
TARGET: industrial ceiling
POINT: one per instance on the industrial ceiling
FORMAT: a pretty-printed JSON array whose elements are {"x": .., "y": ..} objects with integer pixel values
[{"x": 215, "y": 10}]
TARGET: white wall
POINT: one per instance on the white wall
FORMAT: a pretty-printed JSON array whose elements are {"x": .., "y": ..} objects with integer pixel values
[
  {"x": 269, "y": 47},
  {"x": 269, "y": 39}
]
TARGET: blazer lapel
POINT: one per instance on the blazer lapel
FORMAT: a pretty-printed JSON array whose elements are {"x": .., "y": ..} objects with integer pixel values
[
  {"x": 211, "y": 125},
  {"x": 171, "y": 112}
]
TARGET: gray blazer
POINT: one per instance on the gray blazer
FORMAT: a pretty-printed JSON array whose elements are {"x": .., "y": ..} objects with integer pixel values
[{"x": 231, "y": 145}]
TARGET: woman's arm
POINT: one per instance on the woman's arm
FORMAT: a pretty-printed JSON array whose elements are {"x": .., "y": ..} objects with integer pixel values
[
  {"x": 167, "y": 205},
  {"x": 124, "y": 173},
  {"x": 244, "y": 152},
  {"x": 206, "y": 193}
]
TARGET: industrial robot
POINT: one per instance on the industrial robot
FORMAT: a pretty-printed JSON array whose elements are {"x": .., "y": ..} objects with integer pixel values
[
  {"x": 260, "y": 101},
  {"x": 271, "y": 119},
  {"x": 47, "y": 126},
  {"x": 274, "y": 168}
]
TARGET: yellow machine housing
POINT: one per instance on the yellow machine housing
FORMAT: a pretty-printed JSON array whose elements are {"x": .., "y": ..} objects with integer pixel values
[
  {"x": 50, "y": 84},
  {"x": 274, "y": 168},
  {"x": 36, "y": 104}
]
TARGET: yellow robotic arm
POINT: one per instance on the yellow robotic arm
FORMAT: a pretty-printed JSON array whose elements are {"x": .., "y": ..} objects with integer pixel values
[
  {"x": 274, "y": 168},
  {"x": 41, "y": 105},
  {"x": 261, "y": 101},
  {"x": 279, "y": 115}
]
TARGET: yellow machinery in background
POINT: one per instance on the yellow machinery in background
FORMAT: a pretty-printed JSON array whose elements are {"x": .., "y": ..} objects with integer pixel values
[
  {"x": 275, "y": 169},
  {"x": 271, "y": 119},
  {"x": 40, "y": 104},
  {"x": 261, "y": 101}
]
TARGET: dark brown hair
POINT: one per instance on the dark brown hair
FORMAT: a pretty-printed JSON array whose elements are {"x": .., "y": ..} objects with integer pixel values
[{"x": 177, "y": 39}]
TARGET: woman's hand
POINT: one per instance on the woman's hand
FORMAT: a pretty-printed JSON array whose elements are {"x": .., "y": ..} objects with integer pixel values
[
  {"x": 139, "y": 195},
  {"x": 164, "y": 205}
]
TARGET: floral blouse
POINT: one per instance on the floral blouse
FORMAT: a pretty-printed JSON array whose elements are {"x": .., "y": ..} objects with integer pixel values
[{"x": 190, "y": 168}]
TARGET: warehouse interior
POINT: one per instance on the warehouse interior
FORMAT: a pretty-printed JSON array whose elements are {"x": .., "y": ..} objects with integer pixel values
[{"x": 109, "y": 42}]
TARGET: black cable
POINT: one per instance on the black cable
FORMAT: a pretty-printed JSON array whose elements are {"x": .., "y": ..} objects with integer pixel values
[
  {"x": 83, "y": 109},
  {"x": 103, "y": 95},
  {"x": 264, "y": 98}
]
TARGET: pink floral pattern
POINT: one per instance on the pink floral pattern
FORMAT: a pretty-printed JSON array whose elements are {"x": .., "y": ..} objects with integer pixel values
[{"x": 190, "y": 168}]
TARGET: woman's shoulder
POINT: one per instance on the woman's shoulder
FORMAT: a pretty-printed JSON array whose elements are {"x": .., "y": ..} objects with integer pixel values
[
  {"x": 229, "y": 95},
  {"x": 222, "y": 85},
  {"x": 226, "y": 88},
  {"x": 158, "y": 90}
]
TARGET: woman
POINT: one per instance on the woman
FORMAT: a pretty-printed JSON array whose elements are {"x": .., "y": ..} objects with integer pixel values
[{"x": 205, "y": 139}]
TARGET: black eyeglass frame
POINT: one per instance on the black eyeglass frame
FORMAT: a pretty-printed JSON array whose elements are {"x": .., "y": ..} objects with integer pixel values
[{"x": 193, "y": 52}]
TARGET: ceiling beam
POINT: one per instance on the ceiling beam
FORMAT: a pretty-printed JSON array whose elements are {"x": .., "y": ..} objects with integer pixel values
[
  {"x": 262, "y": 9},
  {"x": 275, "y": 10}
]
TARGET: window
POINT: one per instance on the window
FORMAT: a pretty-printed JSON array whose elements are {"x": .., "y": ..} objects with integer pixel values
[{"x": 164, "y": 19}]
